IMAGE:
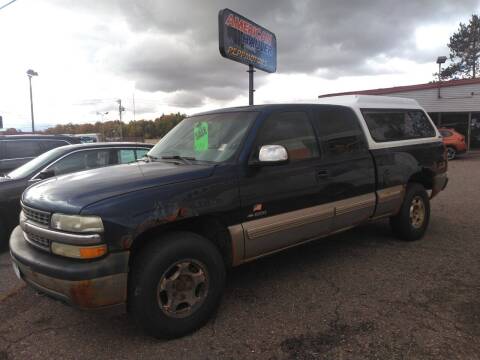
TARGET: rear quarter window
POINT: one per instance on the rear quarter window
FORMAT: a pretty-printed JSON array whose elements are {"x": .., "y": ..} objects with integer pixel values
[
  {"x": 339, "y": 131},
  {"x": 52, "y": 144},
  {"x": 394, "y": 125},
  {"x": 17, "y": 149}
]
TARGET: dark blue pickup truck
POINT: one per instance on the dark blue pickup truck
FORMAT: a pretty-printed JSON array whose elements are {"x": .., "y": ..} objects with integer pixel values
[{"x": 220, "y": 189}]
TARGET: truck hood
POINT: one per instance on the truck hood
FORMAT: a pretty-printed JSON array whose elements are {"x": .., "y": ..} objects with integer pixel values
[{"x": 71, "y": 193}]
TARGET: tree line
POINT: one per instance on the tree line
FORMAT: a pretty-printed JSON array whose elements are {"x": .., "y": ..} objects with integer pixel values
[{"x": 145, "y": 129}]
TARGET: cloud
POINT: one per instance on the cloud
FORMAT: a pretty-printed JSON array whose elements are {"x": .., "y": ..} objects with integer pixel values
[{"x": 172, "y": 47}]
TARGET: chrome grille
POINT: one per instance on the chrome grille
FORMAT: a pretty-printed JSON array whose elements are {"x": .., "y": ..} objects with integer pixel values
[
  {"x": 37, "y": 216},
  {"x": 38, "y": 241}
]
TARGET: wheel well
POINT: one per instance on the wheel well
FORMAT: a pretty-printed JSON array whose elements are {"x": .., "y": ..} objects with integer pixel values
[
  {"x": 424, "y": 177},
  {"x": 207, "y": 226}
]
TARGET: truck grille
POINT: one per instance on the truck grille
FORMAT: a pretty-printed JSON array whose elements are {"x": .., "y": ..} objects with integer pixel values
[
  {"x": 38, "y": 241},
  {"x": 37, "y": 216}
]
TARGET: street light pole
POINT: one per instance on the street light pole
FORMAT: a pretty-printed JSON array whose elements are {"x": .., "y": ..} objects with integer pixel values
[
  {"x": 31, "y": 73},
  {"x": 120, "y": 110},
  {"x": 440, "y": 60}
]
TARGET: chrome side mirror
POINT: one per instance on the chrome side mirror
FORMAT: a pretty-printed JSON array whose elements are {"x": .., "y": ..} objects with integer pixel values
[{"x": 272, "y": 154}]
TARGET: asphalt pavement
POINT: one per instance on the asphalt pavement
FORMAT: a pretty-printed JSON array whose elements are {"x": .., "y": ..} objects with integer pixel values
[{"x": 361, "y": 294}]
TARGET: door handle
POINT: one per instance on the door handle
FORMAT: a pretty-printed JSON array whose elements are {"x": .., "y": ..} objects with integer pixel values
[{"x": 323, "y": 173}]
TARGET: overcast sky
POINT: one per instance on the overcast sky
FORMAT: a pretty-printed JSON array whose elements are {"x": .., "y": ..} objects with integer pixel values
[{"x": 89, "y": 53}]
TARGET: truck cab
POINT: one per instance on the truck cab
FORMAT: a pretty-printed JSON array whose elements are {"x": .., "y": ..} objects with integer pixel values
[{"x": 221, "y": 189}]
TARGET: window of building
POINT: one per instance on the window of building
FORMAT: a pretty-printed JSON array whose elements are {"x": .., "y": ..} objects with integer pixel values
[{"x": 393, "y": 125}]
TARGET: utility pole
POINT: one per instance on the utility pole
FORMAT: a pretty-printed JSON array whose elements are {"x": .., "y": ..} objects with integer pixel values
[
  {"x": 120, "y": 110},
  {"x": 133, "y": 106}
]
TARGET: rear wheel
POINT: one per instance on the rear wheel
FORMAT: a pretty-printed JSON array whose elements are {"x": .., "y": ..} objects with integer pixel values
[
  {"x": 451, "y": 153},
  {"x": 176, "y": 284},
  {"x": 412, "y": 221}
]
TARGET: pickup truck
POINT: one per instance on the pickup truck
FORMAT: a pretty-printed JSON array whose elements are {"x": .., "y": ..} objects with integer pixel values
[{"x": 220, "y": 189}]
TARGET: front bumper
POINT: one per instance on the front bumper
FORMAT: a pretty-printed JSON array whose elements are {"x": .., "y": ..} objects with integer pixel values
[{"x": 84, "y": 284}]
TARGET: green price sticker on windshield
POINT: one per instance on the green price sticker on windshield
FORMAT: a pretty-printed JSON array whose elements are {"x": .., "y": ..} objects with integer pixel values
[{"x": 200, "y": 136}]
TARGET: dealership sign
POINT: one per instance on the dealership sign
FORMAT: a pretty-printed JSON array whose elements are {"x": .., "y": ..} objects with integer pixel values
[{"x": 246, "y": 42}]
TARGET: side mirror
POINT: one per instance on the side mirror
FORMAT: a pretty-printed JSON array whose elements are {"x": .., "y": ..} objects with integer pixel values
[
  {"x": 272, "y": 155},
  {"x": 45, "y": 174}
]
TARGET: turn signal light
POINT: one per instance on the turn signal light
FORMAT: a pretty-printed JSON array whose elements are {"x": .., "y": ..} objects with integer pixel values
[
  {"x": 79, "y": 252},
  {"x": 93, "y": 252}
]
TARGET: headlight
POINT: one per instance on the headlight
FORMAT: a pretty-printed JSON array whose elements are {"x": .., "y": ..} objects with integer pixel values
[
  {"x": 77, "y": 223},
  {"x": 79, "y": 252}
]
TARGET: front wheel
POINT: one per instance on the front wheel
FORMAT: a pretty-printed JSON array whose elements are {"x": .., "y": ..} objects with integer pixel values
[
  {"x": 412, "y": 220},
  {"x": 451, "y": 153},
  {"x": 176, "y": 284}
]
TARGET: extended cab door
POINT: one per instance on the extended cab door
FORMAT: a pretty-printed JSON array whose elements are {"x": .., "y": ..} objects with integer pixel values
[
  {"x": 282, "y": 204},
  {"x": 349, "y": 166}
]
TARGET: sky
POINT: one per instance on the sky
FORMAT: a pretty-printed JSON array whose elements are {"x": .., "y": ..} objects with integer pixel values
[{"x": 161, "y": 56}]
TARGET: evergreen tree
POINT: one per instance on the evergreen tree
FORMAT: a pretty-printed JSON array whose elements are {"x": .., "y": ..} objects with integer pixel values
[{"x": 464, "y": 48}]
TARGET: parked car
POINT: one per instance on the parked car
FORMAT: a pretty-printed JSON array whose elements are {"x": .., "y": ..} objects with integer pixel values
[
  {"x": 89, "y": 138},
  {"x": 221, "y": 189},
  {"x": 454, "y": 142},
  {"x": 56, "y": 162},
  {"x": 16, "y": 150}
]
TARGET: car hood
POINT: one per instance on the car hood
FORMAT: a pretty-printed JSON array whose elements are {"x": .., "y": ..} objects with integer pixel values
[{"x": 71, "y": 193}]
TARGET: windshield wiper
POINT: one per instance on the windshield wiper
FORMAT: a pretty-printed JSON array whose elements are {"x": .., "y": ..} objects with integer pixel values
[{"x": 185, "y": 159}]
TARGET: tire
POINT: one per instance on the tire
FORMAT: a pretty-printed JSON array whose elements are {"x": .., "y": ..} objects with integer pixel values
[
  {"x": 451, "y": 153},
  {"x": 412, "y": 227},
  {"x": 180, "y": 266}
]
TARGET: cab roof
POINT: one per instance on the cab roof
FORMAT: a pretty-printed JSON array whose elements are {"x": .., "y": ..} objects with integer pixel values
[
  {"x": 351, "y": 101},
  {"x": 370, "y": 102}
]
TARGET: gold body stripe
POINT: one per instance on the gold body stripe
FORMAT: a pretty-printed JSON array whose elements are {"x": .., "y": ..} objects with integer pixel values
[{"x": 260, "y": 237}]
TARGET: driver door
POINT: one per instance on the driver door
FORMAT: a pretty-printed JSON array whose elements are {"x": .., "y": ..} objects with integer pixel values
[{"x": 282, "y": 203}]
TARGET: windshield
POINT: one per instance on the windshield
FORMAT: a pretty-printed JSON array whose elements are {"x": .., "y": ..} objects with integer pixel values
[
  {"x": 36, "y": 164},
  {"x": 213, "y": 138}
]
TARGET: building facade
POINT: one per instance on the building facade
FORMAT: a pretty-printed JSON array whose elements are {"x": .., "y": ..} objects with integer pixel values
[{"x": 451, "y": 104}]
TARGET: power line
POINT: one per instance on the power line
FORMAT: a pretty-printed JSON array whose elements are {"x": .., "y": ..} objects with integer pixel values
[{"x": 4, "y": 6}]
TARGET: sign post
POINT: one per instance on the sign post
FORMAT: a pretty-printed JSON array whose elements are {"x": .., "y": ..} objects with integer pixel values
[{"x": 246, "y": 42}]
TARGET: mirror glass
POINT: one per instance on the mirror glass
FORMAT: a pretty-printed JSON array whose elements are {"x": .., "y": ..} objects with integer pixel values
[{"x": 272, "y": 153}]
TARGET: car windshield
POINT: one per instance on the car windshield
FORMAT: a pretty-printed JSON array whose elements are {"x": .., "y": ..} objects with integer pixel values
[
  {"x": 36, "y": 164},
  {"x": 212, "y": 138}
]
